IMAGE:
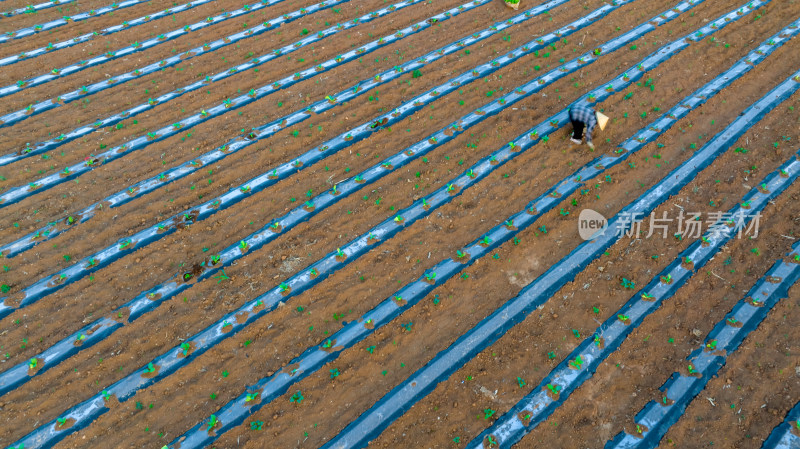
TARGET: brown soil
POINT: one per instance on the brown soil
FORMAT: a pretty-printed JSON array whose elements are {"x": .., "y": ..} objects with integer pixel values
[{"x": 602, "y": 407}]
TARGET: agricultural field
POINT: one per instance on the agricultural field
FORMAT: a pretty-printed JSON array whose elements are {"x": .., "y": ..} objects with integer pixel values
[{"x": 359, "y": 223}]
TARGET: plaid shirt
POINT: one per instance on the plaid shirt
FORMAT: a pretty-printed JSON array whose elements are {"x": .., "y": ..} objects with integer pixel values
[{"x": 586, "y": 116}]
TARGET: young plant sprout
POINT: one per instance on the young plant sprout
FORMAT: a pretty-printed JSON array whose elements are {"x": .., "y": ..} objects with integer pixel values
[
  {"x": 555, "y": 389},
  {"x": 628, "y": 283},
  {"x": 283, "y": 287},
  {"x": 185, "y": 348},
  {"x": 32, "y": 363},
  {"x": 328, "y": 343},
  {"x": 297, "y": 397},
  {"x": 577, "y": 363},
  {"x": 150, "y": 368},
  {"x": 339, "y": 252},
  {"x": 623, "y": 318},
  {"x": 251, "y": 397},
  {"x": 460, "y": 254},
  {"x": 430, "y": 276},
  {"x": 398, "y": 219},
  {"x": 692, "y": 369},
  {"x": 243, "y": 245},
  {"x": 212, "y": 422},
  {"x": 647, "y": 296},
  {"x": 666, "y": 279},
  {"x": 488, "y": 413},
  {"x": 711, "y": 344}
]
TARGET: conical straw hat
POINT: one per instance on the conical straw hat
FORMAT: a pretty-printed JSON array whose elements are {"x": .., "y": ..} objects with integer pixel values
[{"x": 602, "y": 120}]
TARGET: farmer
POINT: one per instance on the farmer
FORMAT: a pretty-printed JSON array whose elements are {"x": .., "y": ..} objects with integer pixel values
[{"x": 584, "y": 116}]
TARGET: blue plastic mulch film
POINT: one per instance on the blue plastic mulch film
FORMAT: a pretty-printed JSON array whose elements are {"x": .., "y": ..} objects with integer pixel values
[
  {"x": 30, "y": 9},
  {"x": 141, "y": 302},
  {"x": 125, "y": 25},
  {"x": 51, "y": 144},
  {"x": 16, "y": 194},
  {"x": 785, "y": 435},
  {"x": 401, "y": 398},
  {"x": 166, "y": 37},
  {"x": 123, "y": 389},
  {"x": 89, "y": 264},
  {"x": 535, "y": 407},
  {"x": 103, "y": 257},
  {"x": 147, "y": 301},
  {"x": 143, "y": 187},
  {"x": 655, "y": 419},
  {"x": 94, "y": 332},
  {"x": 407, "y": 296},
  {"x": 47, "y": 145}
]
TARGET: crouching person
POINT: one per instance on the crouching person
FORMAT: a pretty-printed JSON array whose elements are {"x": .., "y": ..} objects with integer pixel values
[{"x": 585, "y": 117}]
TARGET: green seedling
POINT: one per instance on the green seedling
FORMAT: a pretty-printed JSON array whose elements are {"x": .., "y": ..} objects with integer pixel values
[
  {"x": 185, "y": 347},
  {"x": 297, "y": 397},
  {"x": 488, "y": 413},
  {"x": 250, "y": 397},
  {"x": 627, "y": 283},
  {"x": 212, "y": 422},
  {"x": 555, "y": 389},
  {"x": 150, "y": 368}
]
